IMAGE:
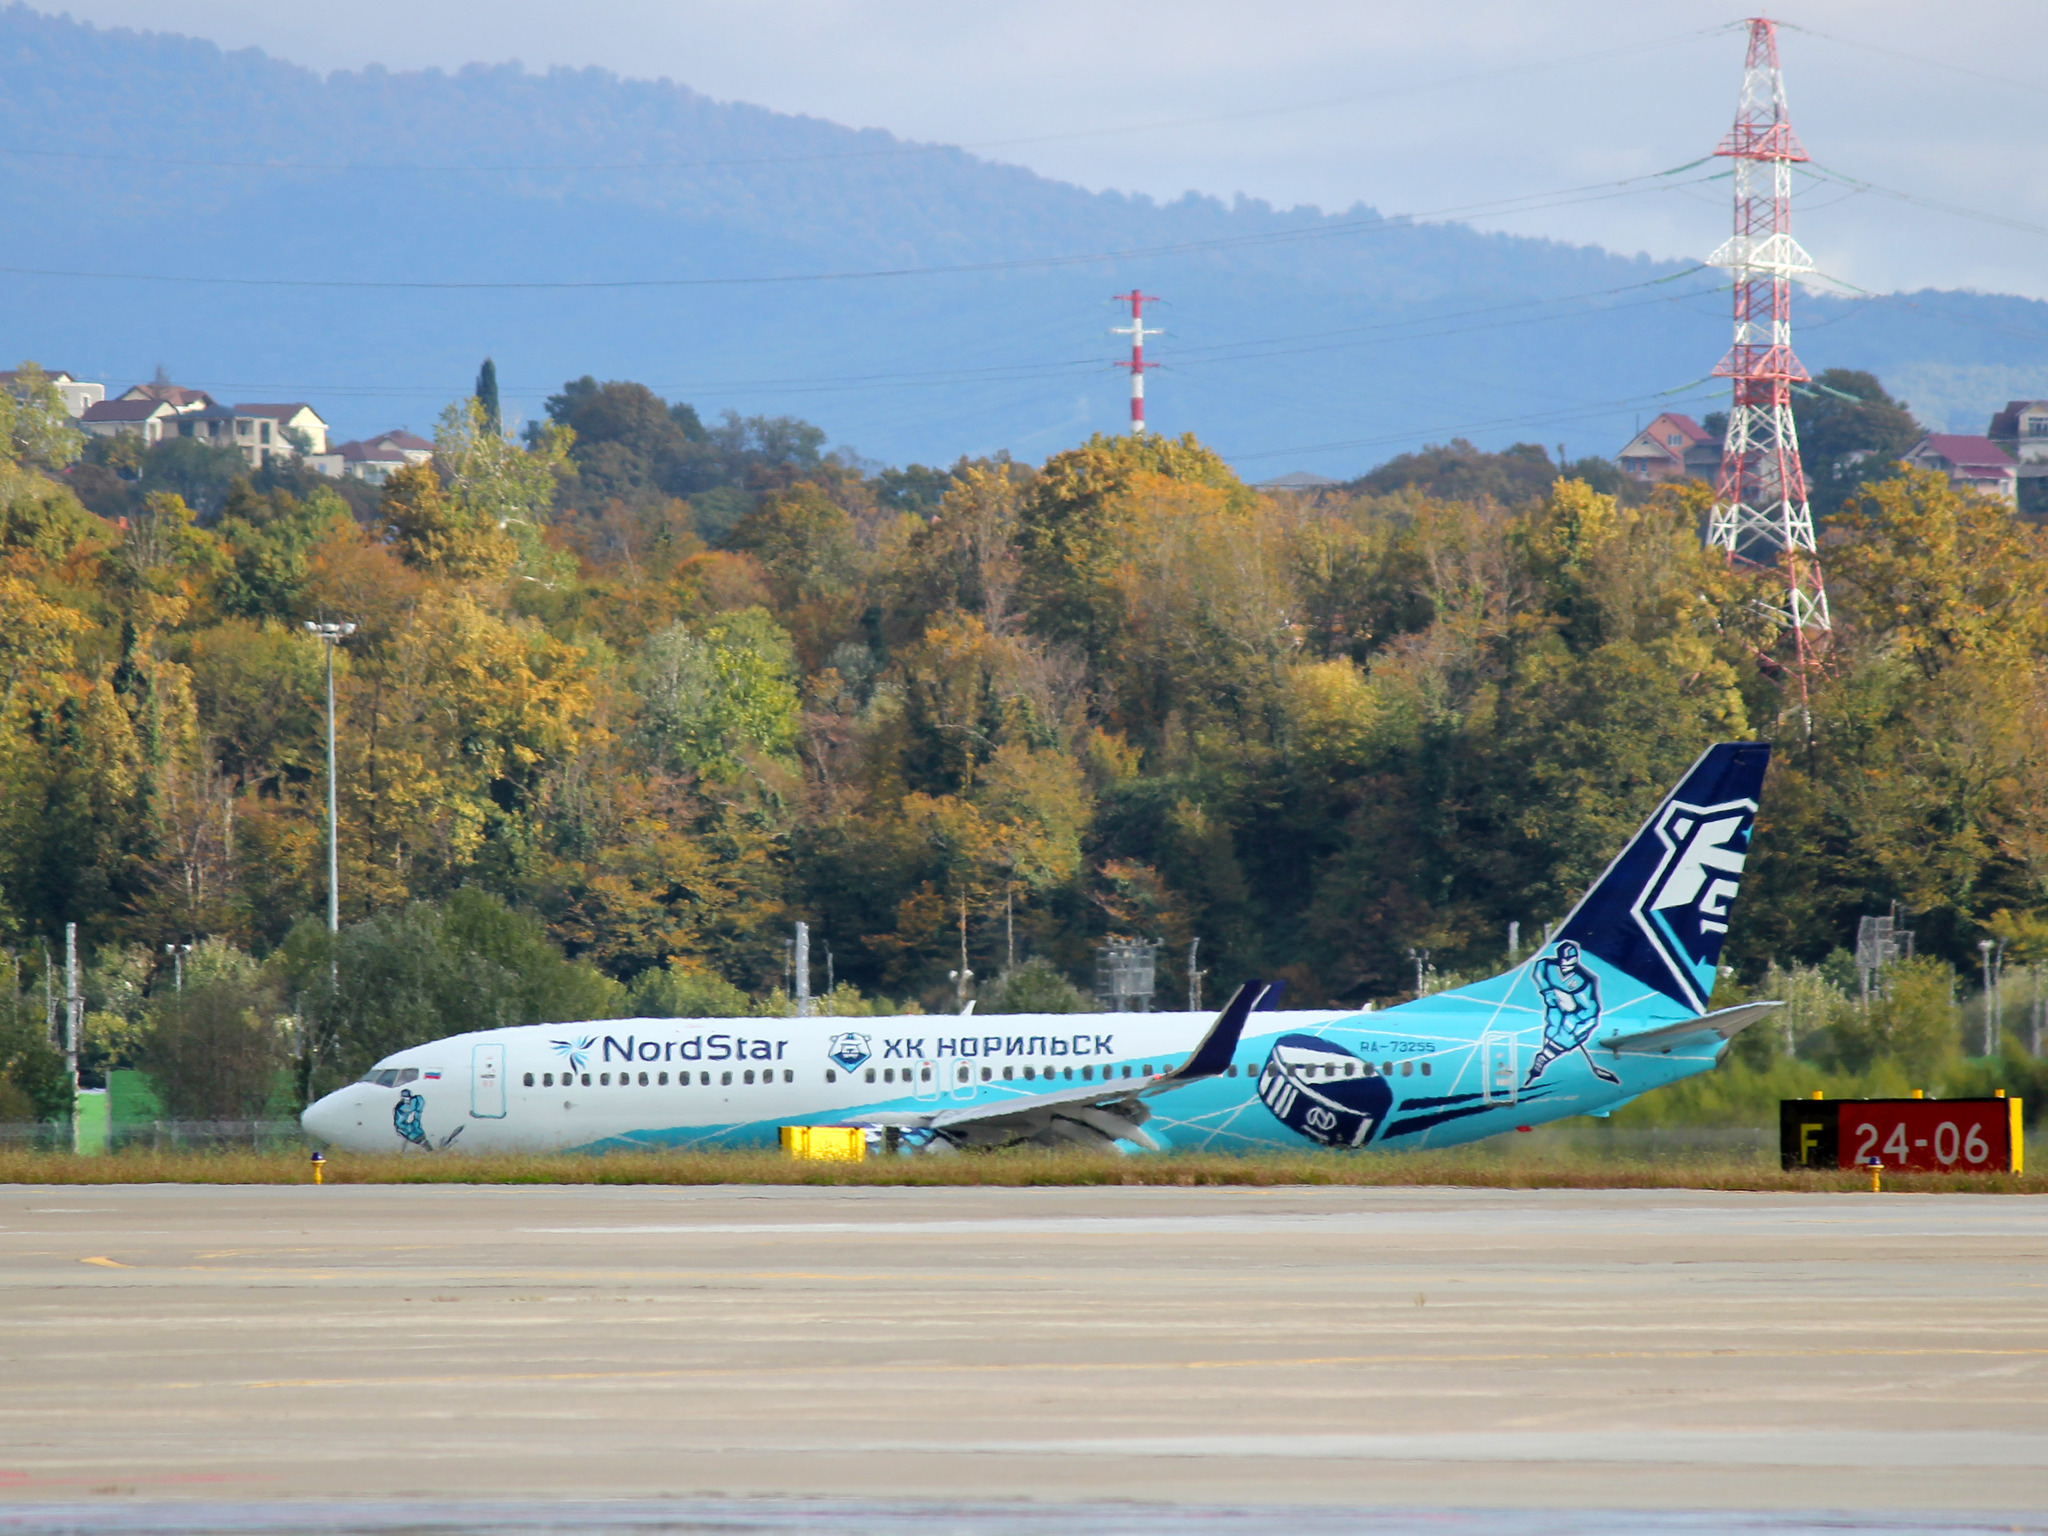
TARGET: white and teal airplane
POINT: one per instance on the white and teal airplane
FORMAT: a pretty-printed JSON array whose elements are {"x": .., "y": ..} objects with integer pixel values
[{"x": 1614, "y": 1003}]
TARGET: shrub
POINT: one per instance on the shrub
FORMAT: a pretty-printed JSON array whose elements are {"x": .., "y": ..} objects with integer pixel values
[
  {"x": 1036, "y": 986},
  {"x": 214, "y": 1050}
]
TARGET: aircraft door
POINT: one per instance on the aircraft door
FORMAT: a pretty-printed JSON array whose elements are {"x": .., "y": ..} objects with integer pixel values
[
  {"x": 931, "y": 1078},
  {"x": 487, "y": 1082},
  {"x": 1500, "y": 1072}
]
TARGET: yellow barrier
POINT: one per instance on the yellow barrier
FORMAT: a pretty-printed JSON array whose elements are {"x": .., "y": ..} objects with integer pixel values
[{"x": 827, "y": 1143}]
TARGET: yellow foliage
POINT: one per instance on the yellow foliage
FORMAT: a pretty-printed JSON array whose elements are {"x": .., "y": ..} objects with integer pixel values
[{"x": 1331, "y": 711}]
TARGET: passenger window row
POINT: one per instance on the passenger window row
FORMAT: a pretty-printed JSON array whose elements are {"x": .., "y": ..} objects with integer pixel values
[
  {"x": 398, "y": 1077},
  {"x": 1352, "y": 1069},
  {"x": 660, "y": 1079},
  {"x": 964, "y": 1073}
]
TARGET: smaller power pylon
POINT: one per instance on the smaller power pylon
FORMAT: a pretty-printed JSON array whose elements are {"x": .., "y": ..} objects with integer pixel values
[{"x": 1137, "y": 331}]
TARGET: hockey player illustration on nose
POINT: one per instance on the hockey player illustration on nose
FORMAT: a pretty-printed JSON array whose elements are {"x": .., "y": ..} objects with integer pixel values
[
  {"x": 1571, "y": 1011},
  {"x": 408, "y": 1117}
]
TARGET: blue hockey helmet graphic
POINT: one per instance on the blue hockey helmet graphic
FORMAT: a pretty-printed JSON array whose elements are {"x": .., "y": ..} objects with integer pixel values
[{"x": 1315, "y": 1088}]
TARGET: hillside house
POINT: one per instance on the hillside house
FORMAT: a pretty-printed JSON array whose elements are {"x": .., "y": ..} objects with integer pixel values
[
  {"x": 1673, "y": 447},
  {"x": 1974, "y": 463},
  {"x": 77, "y": 394},
  {"x": 257, "y": 432},
  {"x": 146, "y": 419},
  {"x": 374, "y": 459},
  {"x": 266, "y": 431},
  {"x": 2021, "y": 429},
  {"x": 176, "y": 396}
]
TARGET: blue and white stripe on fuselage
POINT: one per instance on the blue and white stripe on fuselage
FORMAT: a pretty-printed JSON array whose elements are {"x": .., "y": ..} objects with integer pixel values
[{"x": 551, "y": 1087}]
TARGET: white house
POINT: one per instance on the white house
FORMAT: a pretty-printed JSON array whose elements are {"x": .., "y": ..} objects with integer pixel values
[
  {"x": 257, "y": 432},
  {"x": 77, "y": 394},
  {"x": 1975, "y": 463},
  {"x": 260, "y": 430},
  {"x": 146, "y": 419},
  {"x": 374, "y": 459}
]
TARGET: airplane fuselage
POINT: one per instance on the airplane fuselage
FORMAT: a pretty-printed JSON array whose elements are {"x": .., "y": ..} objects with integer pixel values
[{"x": 1428, "y": 1074}]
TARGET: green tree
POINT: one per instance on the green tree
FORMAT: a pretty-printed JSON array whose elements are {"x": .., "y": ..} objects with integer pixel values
[
  {"x": 1513, "y": 477},
  {"x": 1074, "y": 522},
  {"x": 214, "y": 1051},
  {"x": 487, "y": 397},
  {"x": 716, "y": 694},
  {"x": 437, "y": 533},
  {"x": 668, "y": 992},
  {"x": 1851, "y": 433},
  {"x": 426, "y": 970},
  {"x": 270, "y": 541},
  {"x": 33, "y": 1082},
  {"x": 35, "y": 428},
  {"x": 1936, "y": 575},
  {"x": 496, "y": 484},
  {"x": 629, "y": 443},
  {"x": 1035, "y": 986}
]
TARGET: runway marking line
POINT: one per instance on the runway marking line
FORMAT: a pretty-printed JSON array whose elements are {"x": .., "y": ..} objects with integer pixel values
[
  {"x": 105, "y": 1262},
  {"x": 1098, "y": 1367}
]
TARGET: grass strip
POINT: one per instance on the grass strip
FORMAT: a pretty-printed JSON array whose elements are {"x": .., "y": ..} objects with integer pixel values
[{"x": 1477, "y": 1167}]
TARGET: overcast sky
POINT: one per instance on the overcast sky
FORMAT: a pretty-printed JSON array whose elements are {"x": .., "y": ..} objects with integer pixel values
[{"x": 1407, "y": 107}]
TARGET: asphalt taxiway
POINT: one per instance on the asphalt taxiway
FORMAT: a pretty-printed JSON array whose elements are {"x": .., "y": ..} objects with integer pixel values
[{"x": 1385, "y": 1347}]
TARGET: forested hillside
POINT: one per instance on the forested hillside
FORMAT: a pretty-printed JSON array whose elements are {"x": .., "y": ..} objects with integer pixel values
[
  {"x": 222, "y": 213},
  {"x": 628, "y": 698}
]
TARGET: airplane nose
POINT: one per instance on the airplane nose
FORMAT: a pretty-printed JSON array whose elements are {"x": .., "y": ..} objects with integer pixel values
[{"x": 324, "y": 1119}]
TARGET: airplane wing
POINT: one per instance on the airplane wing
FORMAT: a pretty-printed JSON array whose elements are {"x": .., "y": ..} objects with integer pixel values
[
  {"x": 1727, "y": 1023},
  {"x": 1088, "y": 1114}
]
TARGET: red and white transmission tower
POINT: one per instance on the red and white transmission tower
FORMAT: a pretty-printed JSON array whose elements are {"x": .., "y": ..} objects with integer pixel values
[
  {"x": 1760, "y": 512},
  {"x": 1137, "y": 331}
]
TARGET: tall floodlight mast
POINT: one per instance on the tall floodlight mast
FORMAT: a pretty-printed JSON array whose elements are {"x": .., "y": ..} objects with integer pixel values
[
  {"x": 1137, "y": 331},
  {"x": 1760, "y": 513}
]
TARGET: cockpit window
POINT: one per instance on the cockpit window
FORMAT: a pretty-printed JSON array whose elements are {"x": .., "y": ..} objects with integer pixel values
[
  {"x": 384, "y": 1078},
  {"x": 409, "y": 1075}
]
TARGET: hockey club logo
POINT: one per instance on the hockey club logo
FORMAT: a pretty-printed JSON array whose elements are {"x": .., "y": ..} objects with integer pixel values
[
  {"x": 1683, "y": 908},
  {"x": 849, "y": 1050},
  {"x": 1307, "y": 1088}
]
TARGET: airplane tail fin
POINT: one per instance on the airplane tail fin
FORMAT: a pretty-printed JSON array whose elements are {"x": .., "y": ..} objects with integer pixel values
[{"x": 1660, "y": 912}]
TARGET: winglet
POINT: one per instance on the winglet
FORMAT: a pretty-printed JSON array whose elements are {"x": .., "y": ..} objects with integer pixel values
[
  {"x": 1219, "y": 1046},
  {"x": 1726, "y": 1023}
]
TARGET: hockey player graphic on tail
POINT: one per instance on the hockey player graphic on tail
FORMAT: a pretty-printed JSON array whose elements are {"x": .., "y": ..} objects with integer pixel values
[{"x": 1571, "y": 1011}]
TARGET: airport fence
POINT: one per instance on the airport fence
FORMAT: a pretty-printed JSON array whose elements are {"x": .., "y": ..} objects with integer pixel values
[{"x": 161, "y": 1135}]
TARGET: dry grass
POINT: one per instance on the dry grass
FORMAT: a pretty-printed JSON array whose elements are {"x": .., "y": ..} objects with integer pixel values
[{"x": 1484, "y": 1167}]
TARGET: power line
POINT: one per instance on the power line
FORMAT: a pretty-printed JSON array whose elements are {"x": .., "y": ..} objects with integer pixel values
[
  {"x": 1919, "y": 60},
  {"x": 1018, "y": 372},
  {"x": 1841, "y": 178},
  {"x": 1547, "y": 418},
  {"x": 1593, "y": 191},
  {"x": 1236, "y": 355}
]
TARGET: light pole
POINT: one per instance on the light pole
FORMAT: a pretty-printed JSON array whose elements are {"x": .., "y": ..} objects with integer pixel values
[
  {"x": 330, "y": 634},
  {"x": 1984, "y": 951},
  {"x": 178, "y": 952}
]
